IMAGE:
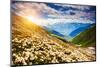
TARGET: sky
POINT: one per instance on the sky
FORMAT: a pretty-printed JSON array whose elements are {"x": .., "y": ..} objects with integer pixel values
[{"x": 45, "y": 14}]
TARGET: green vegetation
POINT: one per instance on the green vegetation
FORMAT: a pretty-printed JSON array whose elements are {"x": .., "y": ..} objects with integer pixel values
[{"x": 86, "y": 38}]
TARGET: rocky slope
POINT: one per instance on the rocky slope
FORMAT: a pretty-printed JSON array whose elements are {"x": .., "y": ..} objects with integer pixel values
[{"x": 31, "y": 44}]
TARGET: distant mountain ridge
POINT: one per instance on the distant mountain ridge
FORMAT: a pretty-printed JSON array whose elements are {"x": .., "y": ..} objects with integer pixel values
[
  {"x": 58, "y": 33},
  {"x": 69, "y": 29},
  {"x": 78, "y": 30},
  {"x": 53, "y": 31},
  {"x": 87, "y": 37}
]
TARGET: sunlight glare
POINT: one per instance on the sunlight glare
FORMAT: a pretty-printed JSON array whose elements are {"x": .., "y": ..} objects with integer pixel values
[{"x": 38, "y": 21}]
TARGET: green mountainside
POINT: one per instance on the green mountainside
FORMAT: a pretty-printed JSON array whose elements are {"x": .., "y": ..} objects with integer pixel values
[{"x": 86, "y": 38}]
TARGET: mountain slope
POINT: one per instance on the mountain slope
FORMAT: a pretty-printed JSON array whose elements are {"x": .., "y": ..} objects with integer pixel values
[
  {"x": 32, "y": 44},
  {"x": 53, "y": 31},
  {"x": 20, "y": 26},
  {"x": 68, "y": 28},
  {"x": 87, "y": 37},
  {"x": 78, "y": 30}
]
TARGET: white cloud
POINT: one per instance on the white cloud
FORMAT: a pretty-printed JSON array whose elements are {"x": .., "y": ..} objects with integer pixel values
[
  {"x": 80, "y": 7},
  {"x": 37, "y": 10},
  {"x": 53, "y": 21},
  {"x": 29, "y": 8}
]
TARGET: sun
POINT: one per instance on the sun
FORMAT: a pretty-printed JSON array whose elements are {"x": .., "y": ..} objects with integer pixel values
[
  {"x": 31, "y": 18},
  {"x": 37, "y": 20}
]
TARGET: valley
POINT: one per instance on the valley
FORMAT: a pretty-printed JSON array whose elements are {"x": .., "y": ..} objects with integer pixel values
[{"x": 32, "y": 44}]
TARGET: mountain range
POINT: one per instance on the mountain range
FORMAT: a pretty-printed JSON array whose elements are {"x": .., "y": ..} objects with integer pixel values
[
  {"x": 32, "y": 44},
  {"x": 67, "y": 30}
]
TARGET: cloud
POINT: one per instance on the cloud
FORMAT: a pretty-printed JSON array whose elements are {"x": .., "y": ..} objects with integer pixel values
[
  {"x": 53, "y": 21},
  {"x": 49, "y": 15},
  {"x": 39, "y": 8},
  {"x": 77, "y": 7}
]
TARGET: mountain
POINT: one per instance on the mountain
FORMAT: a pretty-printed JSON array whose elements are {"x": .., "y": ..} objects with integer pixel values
[
  {"x": 53, "y": 31},
  {"x": 87, "y": 37},
  {"x": 78, "y": 30},
  {"x": 25, "y": 28},
  {"x": 32, "y": 44},
  {"x": 64, "y": 37},
  {"x": 69, "y": 29}
]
